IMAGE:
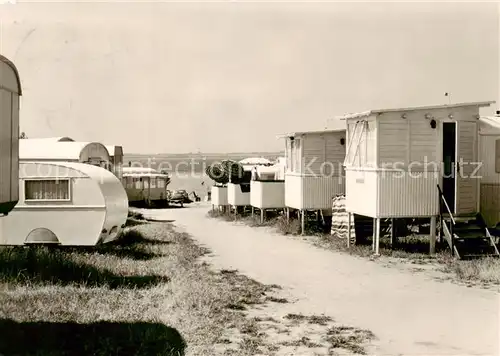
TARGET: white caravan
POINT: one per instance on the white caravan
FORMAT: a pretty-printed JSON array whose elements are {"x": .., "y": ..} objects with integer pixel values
[{"x": 65, "y": 203}]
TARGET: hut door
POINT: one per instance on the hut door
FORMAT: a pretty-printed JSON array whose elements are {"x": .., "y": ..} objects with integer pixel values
[
  {"x": 467, "y": 179},
  {"x": 449, "y": 164}
]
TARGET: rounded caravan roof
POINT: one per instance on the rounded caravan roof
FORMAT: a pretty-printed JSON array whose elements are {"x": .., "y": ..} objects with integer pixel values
[
  {"x": 53, "y": 139},
  {"x": 10, "y": 76},
  {"x": 141, "y": 172},
  {"x": 46, "y": 150},
  {"x": 111, "y": 188}
]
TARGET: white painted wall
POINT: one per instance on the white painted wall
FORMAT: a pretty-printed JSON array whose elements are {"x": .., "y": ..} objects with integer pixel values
[
  {"x": 219, "y": 196},
  {"x": 267, "y": 195},
  {"x": 236, "y": 197},
  {"x": 361, "y": 192}
]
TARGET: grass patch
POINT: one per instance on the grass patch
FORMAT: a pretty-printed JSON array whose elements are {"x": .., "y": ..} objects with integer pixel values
[
  {"x": 146, "y": 294},
  {"x": 485, "y": 270},
  {"x": 311, "y": 319},
  {"x": 303, "y": 341},
  {"x": 348, "y": 338}
]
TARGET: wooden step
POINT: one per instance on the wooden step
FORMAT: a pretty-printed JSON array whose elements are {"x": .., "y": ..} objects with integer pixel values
[
  {"x": 461, "y": 218},
  {"x": 474, "y": 247},
  {"x": 469, "y": 234}
]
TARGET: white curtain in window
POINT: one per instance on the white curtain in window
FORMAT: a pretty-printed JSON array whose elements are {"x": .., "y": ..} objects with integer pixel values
[{"x": 47, "y": 190}]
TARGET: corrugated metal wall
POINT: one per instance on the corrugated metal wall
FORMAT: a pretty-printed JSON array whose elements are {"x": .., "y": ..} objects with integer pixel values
[
  {"x": 319, "y": 191},
  {"x": 490, "y": 180},
  {"x": 402, "y": 194}
]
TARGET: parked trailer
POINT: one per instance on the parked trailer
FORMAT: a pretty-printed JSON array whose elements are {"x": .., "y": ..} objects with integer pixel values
[
  {"x": 44, "y": 150},
  {"x": 145, "y": 186},
  {"x": 32, "y": 151},
  {"x": 65, "y": 203},
  {"x": 10, "y": 91}
]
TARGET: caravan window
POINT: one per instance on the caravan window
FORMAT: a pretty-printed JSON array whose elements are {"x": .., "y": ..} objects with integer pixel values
[
  {"x": 138, "y": 183},
  {"x": 153, "y": 182},
  {"x": 146, "y": 182},
  {"x": 497, "y": 156},
  {"x": 161, "y": 183},
  {"x": 47, "y": 189}
]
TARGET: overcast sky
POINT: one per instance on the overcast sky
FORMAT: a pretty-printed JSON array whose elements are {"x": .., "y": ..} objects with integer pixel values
[{"x": 229, "y": 76}]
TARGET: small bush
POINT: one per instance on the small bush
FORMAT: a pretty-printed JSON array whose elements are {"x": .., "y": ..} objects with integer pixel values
[{"x": 288, "y": 226}]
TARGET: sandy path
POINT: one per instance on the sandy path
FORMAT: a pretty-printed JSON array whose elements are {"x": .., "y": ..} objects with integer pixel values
[{"x": 411, "y": 314}]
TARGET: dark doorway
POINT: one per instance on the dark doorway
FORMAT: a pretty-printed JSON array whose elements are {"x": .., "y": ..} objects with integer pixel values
[{"x": 449, "y": 161}]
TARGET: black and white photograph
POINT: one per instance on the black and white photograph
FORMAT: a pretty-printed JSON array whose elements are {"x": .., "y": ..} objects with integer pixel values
[{"x": 249, "y": 178}]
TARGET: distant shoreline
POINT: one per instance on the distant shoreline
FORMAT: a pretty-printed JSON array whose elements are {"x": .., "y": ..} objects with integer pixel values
[
  {"x": 203, "y": 155},
  {"x": 191, "y": 164}
]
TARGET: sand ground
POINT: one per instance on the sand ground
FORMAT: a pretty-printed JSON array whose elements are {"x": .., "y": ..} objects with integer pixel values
[{"x": 409, "y": 313}]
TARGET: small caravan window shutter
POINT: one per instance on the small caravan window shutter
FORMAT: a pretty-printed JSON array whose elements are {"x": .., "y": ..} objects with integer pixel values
[{"x": 497, "y": 156}]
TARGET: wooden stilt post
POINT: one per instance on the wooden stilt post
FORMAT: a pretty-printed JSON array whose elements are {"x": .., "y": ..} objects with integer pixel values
[
  {"x": 432, "y": 242},
  {"x": 377, "y": 237},
  {"x": 252, "y": 211},
  {"x": 393, "y": 232},
  {"x": 302, "y": 221},
  {"x": 287, "y": 213},
  {"x": 261, "y": 216},
  {"x": 374, "y": 233},
  {"x": 349, "y": 216}
]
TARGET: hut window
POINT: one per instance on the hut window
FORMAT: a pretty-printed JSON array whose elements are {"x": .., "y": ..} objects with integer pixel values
[
  {"x": 146, "y": 183},
  {"x": 153, "y": 182},
  {"x": 138, "y": 183},
  {"x": 297, "y": 156},
  {"x": 497, "y": 156},
  {"x": 47, "y": 189},
  {"x": 161, "y": 183}
]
